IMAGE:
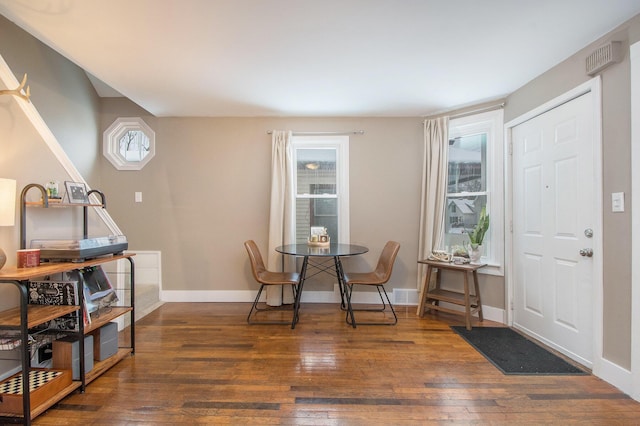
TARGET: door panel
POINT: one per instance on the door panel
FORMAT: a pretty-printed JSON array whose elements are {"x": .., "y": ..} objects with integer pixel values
[
  {"x": 531, "y": 278},
  {"x": 566, "y": 287},
  {"x": 553, "y": 204}
]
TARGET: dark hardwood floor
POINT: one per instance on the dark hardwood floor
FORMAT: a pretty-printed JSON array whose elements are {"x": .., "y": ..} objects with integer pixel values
[{"x": 200, "y": 363}]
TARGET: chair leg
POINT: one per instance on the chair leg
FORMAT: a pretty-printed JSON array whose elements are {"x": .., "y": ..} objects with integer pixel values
[
  {"x": 255, "y": 304},
  {"x": 393, "y": 311},
  {"x": 255, "y": 308},
  {"x": 383, "y": 309}
]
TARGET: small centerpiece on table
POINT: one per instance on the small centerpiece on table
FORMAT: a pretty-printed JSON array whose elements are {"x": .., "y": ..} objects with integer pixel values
[{"x": 319, "y": 237}]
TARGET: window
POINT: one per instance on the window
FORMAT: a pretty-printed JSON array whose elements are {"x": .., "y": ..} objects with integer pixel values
[
  {"x": 475, "y": 182},
  {"x": 322, "y": 186},
  {"x": 134, "y": 146},
  {"x": 129, "y": 144}
]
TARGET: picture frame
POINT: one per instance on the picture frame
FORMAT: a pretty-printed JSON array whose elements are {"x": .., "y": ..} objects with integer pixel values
[{"x": 76, "y": 192}]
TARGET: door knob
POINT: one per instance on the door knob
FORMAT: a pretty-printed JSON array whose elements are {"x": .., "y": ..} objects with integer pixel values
[{"x": 587, "y": 252}]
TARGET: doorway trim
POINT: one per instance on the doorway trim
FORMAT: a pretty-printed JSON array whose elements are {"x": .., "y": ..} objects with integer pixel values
[
  {"x": 634, "y": 57},
  {"x": 593, "y": 86}
]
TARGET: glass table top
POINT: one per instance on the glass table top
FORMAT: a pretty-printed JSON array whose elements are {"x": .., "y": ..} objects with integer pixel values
[{"x": 332, "y": 250}]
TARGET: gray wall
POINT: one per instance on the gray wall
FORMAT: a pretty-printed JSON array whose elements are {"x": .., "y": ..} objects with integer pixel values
[
  {"x": 61, "y": 92},
  {"x": 64, "y": 97},
  {"x": 207, "y": 190}
]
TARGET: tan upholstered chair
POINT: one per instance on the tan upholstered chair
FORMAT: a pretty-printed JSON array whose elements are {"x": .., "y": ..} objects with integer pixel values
[
  {"x": 376, "y": 278},
  {"x": 266, "y": 278}
]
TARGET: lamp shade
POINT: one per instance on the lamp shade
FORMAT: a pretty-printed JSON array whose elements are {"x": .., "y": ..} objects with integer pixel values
[{"x": 7, "y": 202}]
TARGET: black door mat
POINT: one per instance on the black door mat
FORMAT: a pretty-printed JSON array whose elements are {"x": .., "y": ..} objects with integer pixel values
[{"x": 513, "y": 353}]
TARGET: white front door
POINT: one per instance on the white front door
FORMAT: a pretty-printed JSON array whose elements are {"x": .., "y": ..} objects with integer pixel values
[{"x": 554, "y": 209}]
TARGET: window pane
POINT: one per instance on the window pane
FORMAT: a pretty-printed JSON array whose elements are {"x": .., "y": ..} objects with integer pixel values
[
  {"x": 134, "y": 145},
  {"x": 316, "y": 212},
  {"x": 467, "y": 164},
  {"x": 461, "y": 216},
  {"x": 316, "y": 171}
]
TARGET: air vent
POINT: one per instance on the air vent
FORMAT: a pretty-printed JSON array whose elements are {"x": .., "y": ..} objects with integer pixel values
[{"x": 604, "y": 56}]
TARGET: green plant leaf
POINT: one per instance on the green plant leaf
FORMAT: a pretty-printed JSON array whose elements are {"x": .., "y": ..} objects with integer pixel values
[{"x": 477, "y": 235}]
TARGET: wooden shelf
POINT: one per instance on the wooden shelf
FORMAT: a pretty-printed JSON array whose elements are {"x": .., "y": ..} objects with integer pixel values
[
  {"x": 36, "y": 315},
  {"x": 36, "y": 411},
  {"x": 45, "y": 405},
  {"x": 451, "y": 297},
  {"x": 99, "y": 367},
  {"x": 40, "y": 314},
  {"x": 42, "y": 397},
  {"x": 106, "y": 315},
  {"x": 13, "y": 273},
  {"x": 60, "y": 204}
]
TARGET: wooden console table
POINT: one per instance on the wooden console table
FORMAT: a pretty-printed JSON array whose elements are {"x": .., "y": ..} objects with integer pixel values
[{"x": 431, "y": 297}]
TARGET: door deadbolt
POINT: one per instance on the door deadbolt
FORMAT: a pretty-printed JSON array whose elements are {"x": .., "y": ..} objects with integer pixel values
[{"x": 588, "y": 232}]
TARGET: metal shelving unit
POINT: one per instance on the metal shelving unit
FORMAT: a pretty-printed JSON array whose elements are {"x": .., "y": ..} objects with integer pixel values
[{"x": 20, "y": 320}]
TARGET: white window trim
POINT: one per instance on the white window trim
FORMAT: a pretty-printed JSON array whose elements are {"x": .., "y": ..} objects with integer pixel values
[
  {"x": 341, "y": 145},
  {"x": 492, "y": 123}
]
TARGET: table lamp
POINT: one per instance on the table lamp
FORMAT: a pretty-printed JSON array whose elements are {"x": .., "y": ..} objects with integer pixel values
[{"x": 7, "y": 209}]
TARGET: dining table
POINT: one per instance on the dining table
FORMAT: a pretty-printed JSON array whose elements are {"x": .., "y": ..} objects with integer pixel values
[{"x": 323, "y": 259}]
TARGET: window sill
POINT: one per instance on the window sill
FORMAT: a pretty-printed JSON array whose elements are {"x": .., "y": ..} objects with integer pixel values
[{"x": 492, "y": 268}]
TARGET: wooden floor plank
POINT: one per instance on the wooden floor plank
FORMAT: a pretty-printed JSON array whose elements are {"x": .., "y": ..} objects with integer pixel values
[{"x": 201, "y": 363}]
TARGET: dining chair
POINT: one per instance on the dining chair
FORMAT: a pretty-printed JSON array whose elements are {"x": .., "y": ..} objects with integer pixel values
[
  {"x": 268, "y": 278},
  {"x": 377, "y": 278}
]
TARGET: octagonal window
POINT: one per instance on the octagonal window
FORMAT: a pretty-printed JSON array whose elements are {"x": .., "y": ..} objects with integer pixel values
[{"x": 129, "y": 143}]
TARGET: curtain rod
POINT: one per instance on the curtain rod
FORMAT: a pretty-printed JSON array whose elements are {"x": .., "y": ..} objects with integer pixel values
[
  {"x": 465, "y": 113},
  {"x": 353, "y": 132}
]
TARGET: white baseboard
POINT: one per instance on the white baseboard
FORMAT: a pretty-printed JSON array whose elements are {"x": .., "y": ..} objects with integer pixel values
[
  {"x": 617, "y": 376},
  {"x": 489, "y": 313},
  {"x": 308, "y": 296},
  {"x": 405, "y": 296},
  {"x": 399, "y": 297},
  {"x": 207, "y": 296},
  {"x": 241, "y": 296}
]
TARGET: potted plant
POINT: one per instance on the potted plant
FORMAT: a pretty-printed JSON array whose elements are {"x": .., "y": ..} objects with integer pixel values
[{"x": 476, "y": 236}]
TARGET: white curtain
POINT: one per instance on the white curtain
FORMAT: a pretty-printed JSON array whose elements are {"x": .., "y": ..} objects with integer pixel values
[
  {"x": 434, "y": 191},
  {"x": 281, "y": 218}
]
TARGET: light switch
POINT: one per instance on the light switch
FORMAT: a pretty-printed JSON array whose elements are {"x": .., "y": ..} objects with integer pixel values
[
  {"x": 617, "y": 202},
  {"x": 138, "y": 197}
]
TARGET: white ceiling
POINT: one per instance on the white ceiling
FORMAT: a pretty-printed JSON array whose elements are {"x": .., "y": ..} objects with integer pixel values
[{"x": 316, "y": 57}]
